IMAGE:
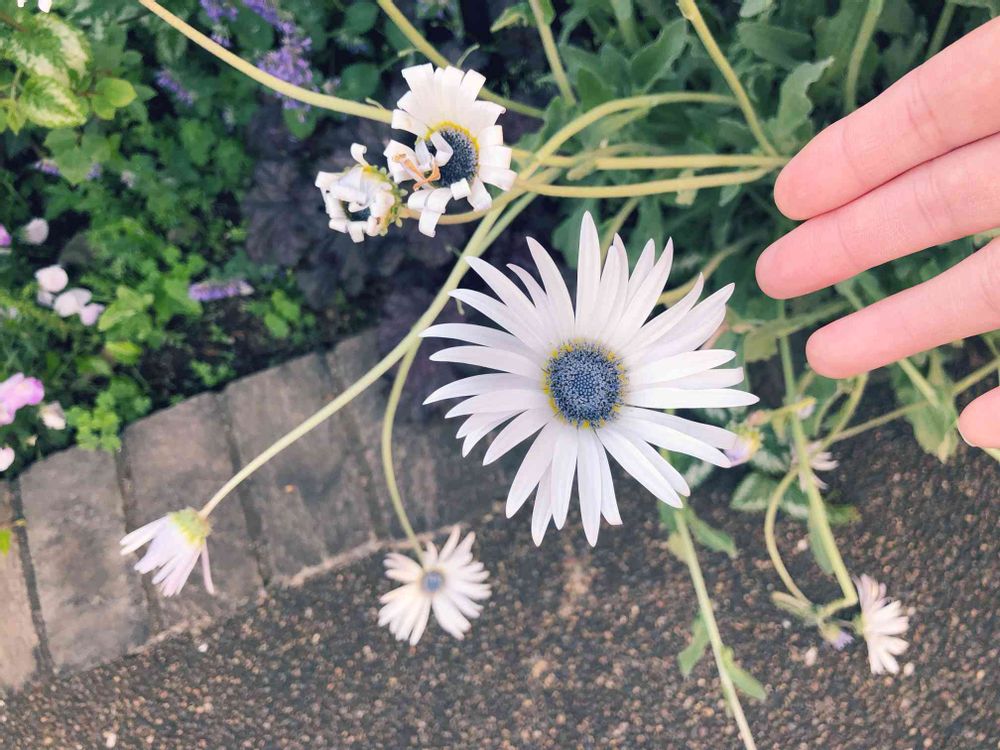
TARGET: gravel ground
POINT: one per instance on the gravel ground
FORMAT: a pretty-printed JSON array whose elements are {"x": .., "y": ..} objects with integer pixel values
[{"x": 577, "y": 648}]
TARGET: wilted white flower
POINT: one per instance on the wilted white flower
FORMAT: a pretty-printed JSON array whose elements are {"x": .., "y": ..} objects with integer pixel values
[
  {"x": 442, "y": 111},
  {"x": 361, "y": 200},
  {"x": 176, "y": 541},
  {"x": 53, "y": 416},
  {"x": 593, "y": 380},
  {"x": 881, "y": 623},
  {"x": 43, "y": 5},
  {"x": 748, "y": 441},
  {"x": 449, "y": 583},
  {"x": 35, "y": 232},
  {"x": 7, "y": 457},
  {"x": 819, "y": 460},
  {"x": 52, "y": 279}
]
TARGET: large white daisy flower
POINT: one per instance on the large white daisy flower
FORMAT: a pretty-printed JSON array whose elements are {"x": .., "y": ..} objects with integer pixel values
[
  {"x": 360, "y": 200},
  {"x": 441, "y": 110},
  {"x": 449, "y": 583},
  {"x": 176, "y": 541},
  {"x": 590, "y": 381},
  {"x": 881, "y": 623}
]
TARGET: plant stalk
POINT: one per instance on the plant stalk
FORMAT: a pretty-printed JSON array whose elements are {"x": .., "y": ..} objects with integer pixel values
[
  {"x": 653, "y": 187},
  {"x": 552, "y": 54},
  {"x": 865, "y": 32}
]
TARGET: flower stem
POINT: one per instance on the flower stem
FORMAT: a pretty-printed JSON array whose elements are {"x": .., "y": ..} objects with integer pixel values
[
  {"x": 769, "y": 541},
  {"x": 669, "y": 298},
  {"x": 324, "y": 101},
  {"x": 941, "y": 29},
  {"x": 714, "y": 637},
  {"x": 387, "y": 467},
  {"x": 552, "y": 54},
  {"x": 689, "y": 161},
  {"x": 690, "y": 11},
  {"x": 486, "y": 233},
  {"x": 817, "y": 508},
  {"x": 865, "y": 32},
  {"x": 427, "y": 49},
  {"x": 617, "y": 222},
  {"x": 653, "y": 187}
]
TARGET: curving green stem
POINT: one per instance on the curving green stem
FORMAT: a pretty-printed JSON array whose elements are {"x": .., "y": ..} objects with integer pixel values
[
  {"x": 388, "y": 421},
  {"x": 714, "y": 637},
  {"x": 941, "y": 30},
  {"x": 772, "y": 545},
  {"x": 865, "y": 32},
  {"x": 552, "y": 54},
  {"x": 427, "y": 49},
  {"x": 653, "y": 187},
  {"x": 616, "y": 223},
  {"x": 689, "y": 161},
  {"x": 324, "y": 101},
  {"x": 690, "y": 11},
  {"x": 817, "y": 508}
]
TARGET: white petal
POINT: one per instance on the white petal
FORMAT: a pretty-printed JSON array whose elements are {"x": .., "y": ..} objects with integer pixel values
[
  {"x": 670, "y": 439},
  {"x": 563, "y": 469},
  {"x": 478, "y": 384},
  {"x": 535, "y": 463},
  {"x": 555, "y": 289},
  {"x": 520, "y": 429},
  {"x": 493, "y": 359},
  {"x": 541, "y": 514},
  {"x": 679, "y": 366},
  {"x": 500, "y": 401},
  {"x": 659, "y": 326},
  {"x": 589, "y": 482},
  {"x": 681, "y": 398},
  {"x": 588, "y": 275},
  {"x": 628, "y": 455}
]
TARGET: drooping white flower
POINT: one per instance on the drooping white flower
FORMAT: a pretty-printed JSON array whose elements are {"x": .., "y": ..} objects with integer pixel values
[
  {"x": 360, "y": 200},
  {"x": 819, "y": 460},
  {"x": 591, "y": 381},
  {"x": 442, "y": 111},
  {"x": 52, "y": 279},
  {"x": 53, "y": 416},
  {"x": 43, "y": 5},
  {"x": 450, "y": 583},
  {"x": 35, "y": 232},
  {"x": 881, "y": 623},
  {"x": 7, "y": 457},
  {"x": 176, "y": 541}
]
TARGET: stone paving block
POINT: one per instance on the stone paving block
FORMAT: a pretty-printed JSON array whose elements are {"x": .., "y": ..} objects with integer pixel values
[
  {"x": 18, "y": 641},
  {"x": 92, "y": 603},
  {"x": 178, "y": 458},
  {"x": 313, "y": 499},
  {"x": 437, "y": 484}
]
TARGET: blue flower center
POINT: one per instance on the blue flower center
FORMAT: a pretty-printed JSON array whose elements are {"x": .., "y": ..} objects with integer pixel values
[
  {"x": 585, "y": 383},
  {"x": 464, "y": 158},
  {"x": 433, "y": 581}
]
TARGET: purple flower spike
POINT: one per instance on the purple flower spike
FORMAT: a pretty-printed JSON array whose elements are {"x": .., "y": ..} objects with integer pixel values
[
  {"x": 166, "y": 81},
  {"x": 208, "y": 291}
]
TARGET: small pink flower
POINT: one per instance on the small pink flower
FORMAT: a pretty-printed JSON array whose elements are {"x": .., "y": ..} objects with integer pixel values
[
  {"x": 4, "y": 236},
  {"x": 71, "y": 302},
  {"x": 52, "y": 279},
  {"x": 16, "y": 392},
  {"x": 90, "y": 313}
]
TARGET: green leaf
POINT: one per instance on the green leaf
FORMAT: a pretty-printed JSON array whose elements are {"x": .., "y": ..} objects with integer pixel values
[
  {"x": 791, "y": 125},
  {"x": 276, "y": 325},
  {"x": 124, "y": 352},
  {"x": 518, "y": 14},
  {"x": 745, "y": 682},
  {"x": 775, "y": 44},
  {"x": 74, "y": 49},
  {"x": 753, "y": 493},
  {"x": 751, "y": 8},
  {"x": 6, "y": 538},
  {"x": 198, "y": 139},
  {"x": 359, "y": 18},
  {"x": 655, "y": 60},
  {"x": 116, "y": 91},
  {"x": 692, "y": 653},
  {"x": 48, "y": 103},
  {"x": 37, "y": 51},
  {"x": 358, "y": 81},
  {"x": 816, "y": 545},
  {"x": 592, "y": 89},
  {"x": 711, "y": 537}
]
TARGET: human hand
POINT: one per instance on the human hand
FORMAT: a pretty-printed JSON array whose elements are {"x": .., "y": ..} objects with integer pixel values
[{"x": 916, "y": 167}]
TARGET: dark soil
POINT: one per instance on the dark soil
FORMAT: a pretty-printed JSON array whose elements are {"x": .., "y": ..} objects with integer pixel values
[{"x": 577, "y": 647}]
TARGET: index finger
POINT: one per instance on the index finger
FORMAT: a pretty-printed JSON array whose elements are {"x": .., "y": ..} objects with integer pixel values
[{"x": 945, "y": 103}]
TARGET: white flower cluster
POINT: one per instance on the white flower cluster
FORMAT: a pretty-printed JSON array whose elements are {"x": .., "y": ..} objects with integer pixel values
[{"x": 458, "y": 151}]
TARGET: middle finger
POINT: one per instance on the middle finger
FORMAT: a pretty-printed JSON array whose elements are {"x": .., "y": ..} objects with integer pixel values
[{"x": 941, "y": 200}]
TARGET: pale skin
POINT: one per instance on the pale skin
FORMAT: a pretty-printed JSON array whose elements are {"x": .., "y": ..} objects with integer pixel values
[{"x": 916, "y": 167}]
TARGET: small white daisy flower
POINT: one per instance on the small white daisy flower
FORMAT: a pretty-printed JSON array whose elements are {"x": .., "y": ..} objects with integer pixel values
[
  {"x": 53, "y": 416},
  {"x": 35, "y": 232},
  {"x": 442, "y": 111},
  {"x": 881, "y": 623},
  {"x": 819, "y": 460},
  {"x": 360, "y": 200},
  {"x": 450, "y": 583},
  {"x": 748, "y": 442},
  {"x": 591, "y": 381},
  {"x": 176, "y": 541}
]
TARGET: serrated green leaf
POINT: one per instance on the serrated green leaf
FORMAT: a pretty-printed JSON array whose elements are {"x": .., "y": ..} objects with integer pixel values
[
  {"x": 784, "y": 47},
  {"x": 37, "y": 53},
  {"x": 74, "y": 49},
  {"x": 753, "y": 493},
  {"x": 791, "y": 124},
  {"x": 116, "y": 91},
  {"x": 48, "y": 103},
  {"x": 692, "y": 653},
  {"x": 518, "y": 14}
]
